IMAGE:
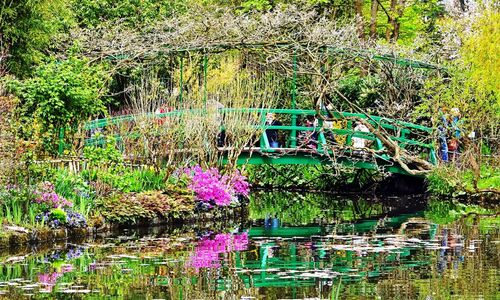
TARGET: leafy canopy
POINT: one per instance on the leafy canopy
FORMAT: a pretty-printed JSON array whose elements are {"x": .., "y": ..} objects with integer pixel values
[
  {"x": 62, "y": 94},
  {"x": 28, "y": 29}
]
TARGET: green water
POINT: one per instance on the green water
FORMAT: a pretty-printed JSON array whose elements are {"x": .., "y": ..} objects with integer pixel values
[{"x": 290, "y": 246}]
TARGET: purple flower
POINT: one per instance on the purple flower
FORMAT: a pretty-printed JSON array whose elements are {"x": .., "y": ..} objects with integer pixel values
[{"x": 47, "y": 195}]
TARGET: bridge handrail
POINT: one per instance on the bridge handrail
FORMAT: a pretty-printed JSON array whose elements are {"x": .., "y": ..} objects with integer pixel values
[{"x": 376, "y": 120}]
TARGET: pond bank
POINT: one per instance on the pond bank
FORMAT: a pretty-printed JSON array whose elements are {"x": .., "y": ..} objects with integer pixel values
[{"x": 13, "y": 237}]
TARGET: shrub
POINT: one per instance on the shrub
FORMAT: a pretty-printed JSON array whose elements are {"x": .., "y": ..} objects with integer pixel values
[
  {"x": 58, "y": 214},
  {"x": 215, "y": 189},
  {"x": 129, "y": 208},
  {"x": 61, "y": 95},
  {"x": 122, "y": 209},
  {"x": 75, "y": 220}
]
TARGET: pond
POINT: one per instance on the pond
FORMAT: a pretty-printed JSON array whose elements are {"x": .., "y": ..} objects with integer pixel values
[{"x": 288, "y": 246}]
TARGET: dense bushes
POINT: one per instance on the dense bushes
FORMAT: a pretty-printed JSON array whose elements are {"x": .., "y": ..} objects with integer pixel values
[
  {"x": 61, "y": 96},
  {"x": 132, "y": 207}
]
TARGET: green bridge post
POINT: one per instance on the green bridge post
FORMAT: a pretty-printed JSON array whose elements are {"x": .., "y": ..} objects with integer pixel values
[
  {"x": 60, "y": 148},
  {"x": 293, "y": 134}
]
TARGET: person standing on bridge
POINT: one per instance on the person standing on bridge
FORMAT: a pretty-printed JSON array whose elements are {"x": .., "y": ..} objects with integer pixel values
[
  {"x": 455, "y": 123},
  {"x": 272, "y": 134},
  {"x": 357, "y": 142}
]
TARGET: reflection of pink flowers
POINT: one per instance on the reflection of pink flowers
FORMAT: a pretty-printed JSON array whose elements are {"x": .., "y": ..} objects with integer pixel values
[
  {"x": 50, "y": 279},
  {"x": 206, "y": 253}
]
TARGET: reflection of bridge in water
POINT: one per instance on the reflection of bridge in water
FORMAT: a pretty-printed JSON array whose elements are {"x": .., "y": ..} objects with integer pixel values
[
  {"x": 303, "y": 256},
  {"x": 293, "y": 152}
]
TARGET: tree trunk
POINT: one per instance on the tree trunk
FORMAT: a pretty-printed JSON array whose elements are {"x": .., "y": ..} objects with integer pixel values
[
  {"x": 397, "y": 24},
  {"x": 373, "y": 19},
  {"x": 393, "y": 23},
  {"x": 358, "y": 6},
  {"x": 390, "y": 21}
]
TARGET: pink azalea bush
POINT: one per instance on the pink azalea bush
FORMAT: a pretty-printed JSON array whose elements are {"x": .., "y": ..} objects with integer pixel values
[
  {"x": 240, "y": 184},
  {"x": 210, "y": 186}
]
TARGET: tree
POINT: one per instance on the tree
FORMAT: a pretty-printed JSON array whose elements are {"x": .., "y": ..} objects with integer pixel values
[
  {"x": 27, "y": 29},
  {"x": 133, "y": 13},
  {"x": 60, "y": 95}
]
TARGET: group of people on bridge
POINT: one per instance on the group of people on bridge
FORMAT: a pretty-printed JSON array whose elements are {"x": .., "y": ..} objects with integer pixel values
[{"x": 309, "y": 139}]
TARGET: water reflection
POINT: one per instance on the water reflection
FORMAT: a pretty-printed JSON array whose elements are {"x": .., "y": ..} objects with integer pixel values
[{"x": 390, "y": 252}]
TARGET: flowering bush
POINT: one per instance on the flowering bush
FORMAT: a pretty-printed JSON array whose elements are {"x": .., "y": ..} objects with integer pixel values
[
  {"x": 46, "y": 194},
  {"x": 75, "y": 220},
  {"x": 211, "y": 187},
  {"x": 240, "y": 184}
]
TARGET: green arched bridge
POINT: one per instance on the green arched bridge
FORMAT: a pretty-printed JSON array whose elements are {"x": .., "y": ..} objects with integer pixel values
[{"x": 317, "y": 144}]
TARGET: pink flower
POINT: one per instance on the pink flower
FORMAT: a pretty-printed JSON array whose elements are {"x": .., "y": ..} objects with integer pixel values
[
  {"x": 211, "y": 186},
  {"x": 46, "y": 195}
]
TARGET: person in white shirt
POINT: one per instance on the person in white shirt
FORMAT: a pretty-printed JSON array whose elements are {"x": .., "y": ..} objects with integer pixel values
[{"x": 359, "y": 143}]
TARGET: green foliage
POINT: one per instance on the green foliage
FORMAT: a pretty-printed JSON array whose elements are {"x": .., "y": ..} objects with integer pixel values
[
  {"x": 74, "y": 188},
  {"x": 124, "y": 179},
  {"x": 439, "y": 182},
  {"x": 445, "y": 212},
  {"x": 259, "y": 5},
  {"x": 92, "y": 13},
  {"x": 58, "y": 214},
  {"x": 472, "y": 80},
  {"x": 482, "y": 62},
  {"x": 62, "y": 94},
  {"x": 361, "y": 90},
  {"x": 17, "y": 207},
  {"x": 448, "y": 181},
  {"x": 107, "y": 155},
  {"x": 106, "y": 165},
  {"x": 27, "y": 28}
]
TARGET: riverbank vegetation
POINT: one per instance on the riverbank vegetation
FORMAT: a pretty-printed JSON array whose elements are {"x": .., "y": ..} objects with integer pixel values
[{"x": 66, "y": 63}]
